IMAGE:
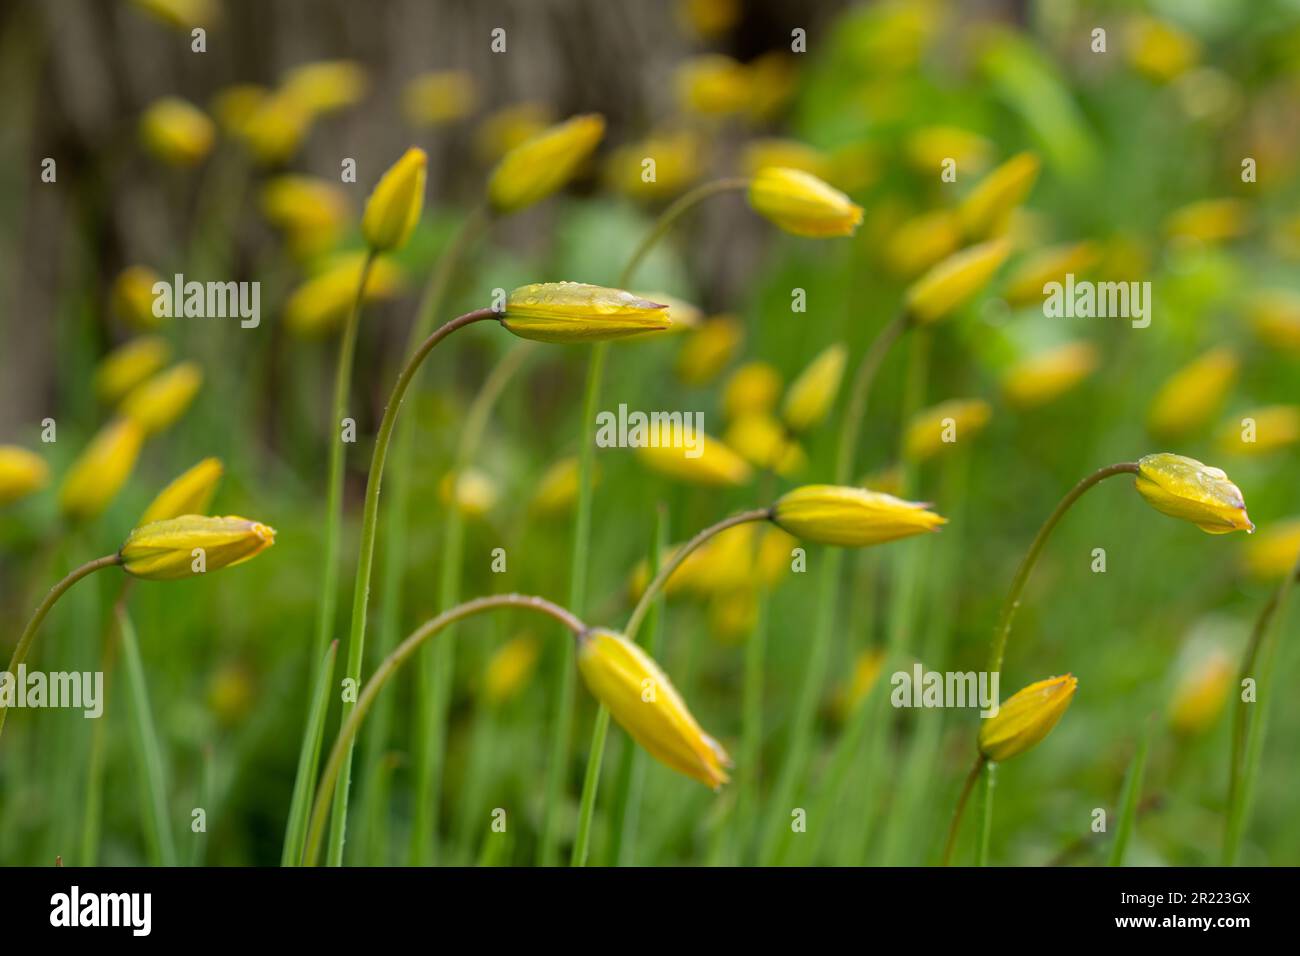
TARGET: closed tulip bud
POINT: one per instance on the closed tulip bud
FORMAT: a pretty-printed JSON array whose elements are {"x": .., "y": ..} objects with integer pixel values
[
  {"x": 945, "y": 426},
  {"x": 711, "y": 85},
  {"x": 438, "y": 98},
  {"x": 189, "y": 494},
  {"x": 192, "y": 544},
  {"x": 678, "y": 161},
  {"x": 567, "y": 312},
  {"x": 1260, "y": 431},
  {"x": 752, "y": 389},
  {"x": 929, "y": 147},
  {"x": 1025, "y": 285},
  {"x": 1201, "y": 694},
  {"x": 954, "y": 281},
  {"x": 1026, "y": 718},
  {"x": 538, "y": 167},
  {"x": 709, "y": 349},
  {"x": 177, "y": 132},
  {"x": 710, "y": 462},
  {"x": 851, "y": 517},
  {"x": 1158, "y": 49},
  {"x": 985, "y": 209},
  {"x": 326, "y": 86},
  {"x": 765, "y": 443},
  {"x": 21, "y": 473},
  {"x": 812, "y": 394},
  {"x": 802, "y": 204},
  {"x": 472, "y": 492},
  {"x": 276, "y": 128},
  {"x": 1207, "y": 221},
  {"x": 236, "y": 105},
  {"x": 161, "y": 400},
  {"x": 557, "y": 489},
  {"x": 921, "y": 242},
  {"x": 1190, "y": 397},
  {"x": 182, "y": 15},
  {"x": 133, "y": 298},
  {"x": 101, "y": 470},
  {"x": 1047, "y": 375},
  {"x": 1185, "y": 488},
  {"x": 510, "y": 668},
  {"x": 394, "y": 207},
  {"x": 128, "y": 365},
  {"x": 310, "y": 211},
  {"x": 708, "y": 19},
  {"x": 641, "y": 698},
  {"x": 1271, "y": 555},
  {"x": 317, "y": 306},
  {"x": 1274, "y": 316}
]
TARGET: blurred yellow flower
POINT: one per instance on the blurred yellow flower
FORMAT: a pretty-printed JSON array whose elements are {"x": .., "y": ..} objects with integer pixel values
[
  {"x": 775, "y": 554},
  {"x": 1201, "y": 694},
  {"x": 311, "y": 211},
  {"x": 128, "y": 365},
  {"x": 439, "y": 97},
  {"x": 157, "y": 403},
  {"x": 715, "y": 463},
  {"x": 276, "y": 128},
  {"x": 509, "y": 127},
  {"x": 543, "y": 164},
  {"x": 929, "y": 147},
  {"x": 566, "y": 312},
  {"x": 763, "y": 442},
  {"x": 1260, "y": 431},
  {"x": 944, "y": 426},
  {"x": 732, "y": 614},
  {"x": 183, "y": 15},
  {"x": 317, "y": 306},
  {"x": 326, "y": 86},
  {"x": 1026, "y": 717},
  {"x": 133, "y": 298},
  {"x": 1185, "y": 488},
  {"x": 473, "y": 492},
  {"x": 853, "y": 166},
  {"x": 753, "y": 388},
  {"x": 235, "y": 106},
  {"x": 231, "y": 693},
  {"x": 656, "y": 168},
  {"x": 866, "y": 671},
  {"x": 192, "y": 544},
  {"x": 189, "y": 494},
  {"x": 22, "y": 472},
  {"x": 802, "y": 204},
  {"x": 1047, "y": 375},
  {"x": 1159, "y": 50},
  {"x": 709, "y": 349},
  {"x": 711, "y": 85},
  {"x": 1271, "y": 555},
  {"x": 100, "y": 471},
  {"x": 641, "y": 698},
  {"x": 986, "y": 207},
  {"x": 1025, "y": 284},
  {"x": 1190, "y": 397},
  {"x": 954, "y": 281},
  {"x": 1207, "y": 221},
  {"x": 851, "y": 517},
  {"x": 708, "y": 19},
  {"x": 773, "y": 79},
  {"x": 394, "y": 206},
  {"x": 1274, "y": 316},
  {"x": 557, "y": 489},
  {"x": 809, "y": 399},
  {"x": 921, "y": 241},
  {"x": 510, "y": 669},
  {"x": 176, "y": 132}
]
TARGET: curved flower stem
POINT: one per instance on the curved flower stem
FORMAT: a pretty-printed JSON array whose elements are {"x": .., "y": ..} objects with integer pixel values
[
  {"x": 1248, "y": 723},
  {"x": 328, "y": 601},
  {"x": 986, "y": 824},
  {"x": 680, "y": 555},
  {"x": 335, "y": 767},
  {"x": 1012, "y": 602},
  {"x": 24, "y": 645},
  {"x": 966, "y": 788},
  {"x": 563, "y": 727},
  {"x": 863, "y": 378},
  {"x": 366, "y": 557}
]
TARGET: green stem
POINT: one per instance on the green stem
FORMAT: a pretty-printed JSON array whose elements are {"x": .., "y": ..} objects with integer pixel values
[
  {"x": 366, "y": 557},
  {"x": 669, "y": 216},
  {"x": 962, "y": 799},
  {"x": 587, "y": 806},
  {"x": 986, "y": 825},
  {"x": 24, "y": 645},
  {"x": 1012, "y": 603},
  {"x": 1131, "y": 797},
  {"x": 335, "y": 766},
  {"x": 864, "y": 376},
  {"x": 308, "y": 760}
]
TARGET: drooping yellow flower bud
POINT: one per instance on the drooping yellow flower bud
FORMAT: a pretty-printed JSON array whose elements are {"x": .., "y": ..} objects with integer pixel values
[
  {"x": 101, "y": 470},
  {"x": 1271, "y": 555},
  {"x": 192, "y": 544},
  {"x": 763, "y": 442},
  {"x": 438, "y": 98},
  {"x": 394, "y": 207},
  {"x": 160, "y": 401},
  {"x": 538, "y": 167},
  {"x": 128, "y": 365},
  {"x": 311, "y": 212},
  {"x": 472, "y": 492},
  {"x": 189, "y": 494},
  {"x": 1025, "y": 285},
  {"x": 656, "y": 168},
  {"x": 945, "y": 426},
  {"x": 802, "y": 204},
  {"x": 557, "y": 489},
  {"x": 326, "y": 86},
  {"x": 930, "y": 147},
  {"x": 985, "y": 209},
  {"x": 276, "y": 128},
  {"x": 133, "y": 298},
  {"x": 1185, "y": 488},
  {"x": 708, "y": 349},
  {"x": 1026, "y": 717},
  {"x": 509, "y": 127},
  {"x": 954, "y": 281},
  {"x": 711, "y": 85},
  {"x": 1261, "y": 431},
  {"x": 22, "y": 472},
  {"x": 236, "y": 105},
  {"x": 1159, "y": 50},
  {"x": 510, "y": 669},
  {"x": 567, "y": 312},
  {"x": 317, "y": 306},
  {"x": 1207, "y": 221},
  {"x": 708, "y": 462},
  {"x": 1274, "y": 316},
  {"x": 810, "y": 396},
  {"x": 1047, "y": 375},
  {"x": 921, "y": 242},
  {"x": 851, "y": 517},
  {"x": 176, "y": 132},
  {"x": 641, "y": 698},
  {"x": 1201, "y": 694},
  {"x": 1190, "y": 397},
  {"x": 752, "y": 389}
]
